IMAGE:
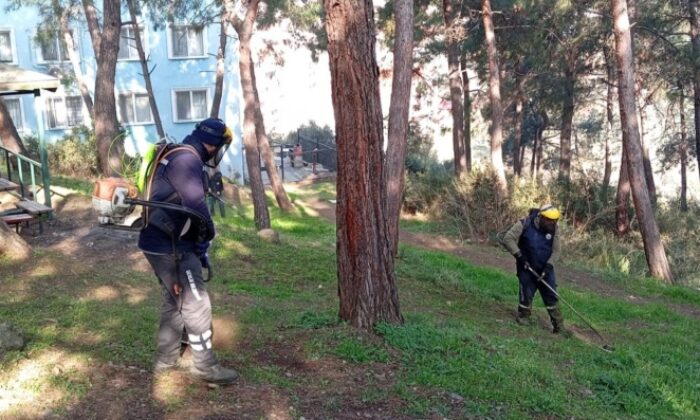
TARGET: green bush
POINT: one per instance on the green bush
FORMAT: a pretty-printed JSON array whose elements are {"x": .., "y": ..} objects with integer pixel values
[
  {"x": 424, "y": 187},
  {"x": 75, "y": 154}
]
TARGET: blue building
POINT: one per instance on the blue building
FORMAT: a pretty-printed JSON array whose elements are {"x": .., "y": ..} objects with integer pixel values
[{"x": 183, "y": 63}]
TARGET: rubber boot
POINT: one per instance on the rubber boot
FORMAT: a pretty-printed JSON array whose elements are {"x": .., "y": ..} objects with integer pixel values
[
  {"x": 216, "y": 374},
  {"x": 557, "y": 319},
  {"x": 523, "y": 317}
]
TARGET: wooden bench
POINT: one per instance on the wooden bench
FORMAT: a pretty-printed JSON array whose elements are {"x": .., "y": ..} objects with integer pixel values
[{"x": 17, "y": 219}]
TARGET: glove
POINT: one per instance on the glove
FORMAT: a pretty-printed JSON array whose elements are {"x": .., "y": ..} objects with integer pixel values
[
  {"x": 204, "y": 259},
  {"x": 521, "y": 260},
  {"x": 201, "y": 248}
]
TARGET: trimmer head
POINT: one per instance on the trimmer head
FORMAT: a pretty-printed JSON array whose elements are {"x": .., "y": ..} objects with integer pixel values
[{"x": 609, "y": 348}]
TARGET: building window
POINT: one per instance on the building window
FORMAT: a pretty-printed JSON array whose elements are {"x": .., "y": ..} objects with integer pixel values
[
  {"x": 127, "y": 43},
  {"x": 186, "y": 41},
  {"x": 64, "y": 112},
  {"x": 51, "y": 48},
  {"x": 191, "y": 105},
  {"x": 14, "y": 107},
  {"x": 7, "y": 50},
  {"x": 134, "y": 108}
]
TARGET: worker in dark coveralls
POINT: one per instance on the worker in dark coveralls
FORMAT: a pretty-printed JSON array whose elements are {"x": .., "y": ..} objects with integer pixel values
[
  {"x": 534, "y": 243},
  {"x": 176, "y": 244}
]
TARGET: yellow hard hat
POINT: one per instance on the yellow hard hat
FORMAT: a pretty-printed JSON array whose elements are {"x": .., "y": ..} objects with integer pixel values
[
  {"x": 228, "y": 135},
  {"x": 550, "y": 212}
]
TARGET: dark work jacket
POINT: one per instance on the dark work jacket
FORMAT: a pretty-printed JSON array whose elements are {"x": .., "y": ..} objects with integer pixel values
[
  {"x": 181, "y": 182},
  {"x": 535, "y": 245}
]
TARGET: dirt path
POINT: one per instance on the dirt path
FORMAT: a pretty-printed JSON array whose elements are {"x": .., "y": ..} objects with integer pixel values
[{"x": 485, "y": 255}]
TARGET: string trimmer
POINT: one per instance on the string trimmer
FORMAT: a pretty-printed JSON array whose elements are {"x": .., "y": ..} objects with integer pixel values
[{"x": 540, "y": 278}]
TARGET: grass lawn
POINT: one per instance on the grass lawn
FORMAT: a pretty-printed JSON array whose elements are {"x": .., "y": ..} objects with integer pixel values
[{"x": 458, "y": 355}]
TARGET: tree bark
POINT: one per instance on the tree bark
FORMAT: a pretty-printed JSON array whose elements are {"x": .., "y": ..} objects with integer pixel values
[
  {"x": 67, "y": 36},
  {"x": 467, "y": 114},
  {"x": 8, "y": 132},
  {"x": 146, "y": 72},
  {"x": 653, "y": 247},
  {"x": 622, "y": 199},
  {"x": 567, "y": 117},
  {"x": 109, "y": 143},
  {"x": 12, "y": 245},
  {"x": 495, "y": 96},
  {"x": 456, "y": 95},
  {"x": 220, "y": 65},
  {"x": 518, "y": 118},
  {"x": 694, "y": 6},
  {"x": 245, "y": 62},
  {"x": 394, "y": 166},
  {"x": 646, "y": 160},
  {"x": 683, "y": 151},
  {"x": 607, "y": 171},
  {"x": 366, "y": 278}
]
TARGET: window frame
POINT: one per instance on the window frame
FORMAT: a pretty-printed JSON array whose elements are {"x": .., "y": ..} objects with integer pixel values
[
  {"x": 171, "y": 43},
  {"x": 64, "y": 98},
  {"x": 22, "y": 127},
  {"x": 133, "y": 94},
  {"x": 175, "y": 91},
  {"x": 144, "y": 42},
  {"x": 59, "y": 45},
  {"x": 13, "y": 45}
]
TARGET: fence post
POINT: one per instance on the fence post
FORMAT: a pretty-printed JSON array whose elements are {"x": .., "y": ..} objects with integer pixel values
[{"x": 45, "y": 176}]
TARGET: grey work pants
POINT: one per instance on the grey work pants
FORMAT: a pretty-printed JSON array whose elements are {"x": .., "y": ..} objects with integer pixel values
[{"x": 195, "y": 315}]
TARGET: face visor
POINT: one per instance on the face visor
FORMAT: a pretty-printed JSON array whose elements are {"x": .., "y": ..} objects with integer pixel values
[{"x": 218, "y": 154}]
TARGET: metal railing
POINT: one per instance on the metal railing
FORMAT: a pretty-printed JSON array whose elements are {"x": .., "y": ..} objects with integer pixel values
[{"x": 21, "y": 177}]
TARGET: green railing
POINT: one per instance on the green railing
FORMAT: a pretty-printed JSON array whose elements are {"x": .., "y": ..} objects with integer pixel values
[{"x": 18, "y": 174}]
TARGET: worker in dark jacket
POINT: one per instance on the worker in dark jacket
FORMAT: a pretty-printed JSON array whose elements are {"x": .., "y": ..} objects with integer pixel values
[
  {"x": 534, "y": 243},
  {"x": 175, "y": 243}
]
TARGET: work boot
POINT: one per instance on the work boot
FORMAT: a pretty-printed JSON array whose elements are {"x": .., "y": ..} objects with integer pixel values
[
  {"x": 161, "y": 366},
  {"x": 216, "y": 374},
  {"x": 557, "y": 319},
  {"x": 523, "y": 317}
]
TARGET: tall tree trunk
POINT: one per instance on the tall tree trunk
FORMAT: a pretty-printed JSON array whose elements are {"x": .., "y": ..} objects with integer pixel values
[
  {"x": 622, "y": 199},
  {"x": 653, "y": 247},
  {"x": 245, "y": 64},
  {"x": 9, "y": 137},
  {"x": 220, "y": 65},
  {"x": 109, "y": 142},
  {"x": 694, "y": 6},
  {"x": 607, "y": 172},
  {"x": 533, "y": 159},
  {"x": 67, "y": 35},
  {"x": 12, "y": 245},
  {"x": 266, "y": 152},
  {"x": 366, "y": 278},
  {"x": 144, "y": 68},
  {"x": 495, "y": 95},
  {"x": 567, "y": 117},
  {"x": 683, "y": 150},
  {"x": 467, "y": 114},
  {"x": 456, "y": 96},
  {"x": 518, "y": 118},
  {"x": 394, "y": 165},
  {"x": 648, "y": 171}
]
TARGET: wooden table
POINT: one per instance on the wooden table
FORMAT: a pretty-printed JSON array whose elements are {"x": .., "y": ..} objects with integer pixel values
[{"x": 33, "y": 208}]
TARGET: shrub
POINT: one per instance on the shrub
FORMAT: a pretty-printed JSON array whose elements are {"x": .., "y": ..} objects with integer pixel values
[
  {"x": 423, "y": 188},
  {"x": 476, "y": 207},
  {"x": 75, "y": 154}
]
